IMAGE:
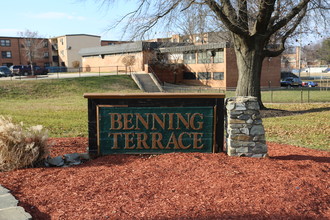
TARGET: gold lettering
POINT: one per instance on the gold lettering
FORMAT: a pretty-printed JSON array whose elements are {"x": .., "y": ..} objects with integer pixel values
[
  {"x": 116, "y": 123},
  {"x": 182, "y": 146},
  {"x": 197, "y": 140},
  {"x": 160, "y": 122},
  {"x": 170, "y": 121},
  {"x": 144, "y": 122},
  {"x": 128, "y": 121},
  {"x": 183, "y": 120},
  {"x": 129, "y": 140},
  {"x": 115, "y": 140},
  {"x": 172, "y": 140},
  {"x": 142, "y": 141},
  {"x": 156, "y": 139},
  {"x": 200, "y": 123}
]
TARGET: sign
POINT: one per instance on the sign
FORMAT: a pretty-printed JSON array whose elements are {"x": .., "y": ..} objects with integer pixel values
[{"x": 137, "y": 130}]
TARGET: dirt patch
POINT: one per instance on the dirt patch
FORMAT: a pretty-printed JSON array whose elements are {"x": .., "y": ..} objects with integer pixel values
[{"x": 293, "y": 183}]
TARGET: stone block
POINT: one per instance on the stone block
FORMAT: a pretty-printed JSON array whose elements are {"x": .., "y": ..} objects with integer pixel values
[
  {"x": 245, "y": 131},
  {"x": 236, "y": 121},
  {"x": 244, "y": 117},
  {"x": 7, "y": 200},
  {"x": 240, "y": 137},
  {"x": 253, "y": 105},
  {"x": 242, "y": 150},
  {"x": 240, "y": 107},
  {"x": 257, "y": 130}
]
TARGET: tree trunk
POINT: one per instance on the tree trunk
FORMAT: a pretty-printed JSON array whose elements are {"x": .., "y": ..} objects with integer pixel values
[{"x": 249, "y": 63}]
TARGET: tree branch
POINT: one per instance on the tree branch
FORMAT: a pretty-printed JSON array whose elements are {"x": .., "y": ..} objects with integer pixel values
[
  {"x": 284, "y": 21},
  {"x": 227, "y": 14},
  {"x": 266, "y": 9}
]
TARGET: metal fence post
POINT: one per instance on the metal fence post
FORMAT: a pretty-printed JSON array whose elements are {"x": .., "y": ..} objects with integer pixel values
[
  {"x": 308, "y": 95},
  {"x": 301, "y": 95}
]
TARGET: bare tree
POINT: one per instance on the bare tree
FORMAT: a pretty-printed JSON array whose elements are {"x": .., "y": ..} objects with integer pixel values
[
  {"x": 128, "y": 61},
  {"x": 32, "y": 44},
  {"x": 255, "y": 26}
]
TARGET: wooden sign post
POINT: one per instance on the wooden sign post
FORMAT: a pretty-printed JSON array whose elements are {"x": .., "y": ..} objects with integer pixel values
[{"x": 155, "y": 123}]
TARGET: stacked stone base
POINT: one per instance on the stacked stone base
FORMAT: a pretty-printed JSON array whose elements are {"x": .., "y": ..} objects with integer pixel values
[{"x": 245, "y": 132}]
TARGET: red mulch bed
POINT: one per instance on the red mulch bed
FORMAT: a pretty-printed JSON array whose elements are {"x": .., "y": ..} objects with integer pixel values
[{"x": 294, "y": 183}]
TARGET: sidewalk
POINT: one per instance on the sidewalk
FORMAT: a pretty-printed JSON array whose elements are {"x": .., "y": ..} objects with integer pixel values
[{"x": 9, "y": 209}]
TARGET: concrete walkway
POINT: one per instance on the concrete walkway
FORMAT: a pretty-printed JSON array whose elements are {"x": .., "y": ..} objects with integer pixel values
[{"x": 9, "y": 209}]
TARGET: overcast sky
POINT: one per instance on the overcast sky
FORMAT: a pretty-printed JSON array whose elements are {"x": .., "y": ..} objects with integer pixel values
[{"x": 60, "y": 17}]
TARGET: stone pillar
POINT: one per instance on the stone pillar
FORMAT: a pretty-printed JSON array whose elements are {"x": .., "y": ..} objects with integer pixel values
[{"x": 245, "y": 132}]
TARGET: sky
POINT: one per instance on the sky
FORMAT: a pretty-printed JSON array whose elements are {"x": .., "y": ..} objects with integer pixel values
[{"x": 61, "y": 17}]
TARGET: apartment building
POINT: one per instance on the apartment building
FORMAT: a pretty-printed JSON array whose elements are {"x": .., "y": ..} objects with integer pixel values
[
  {"x": 16, "y": 51},
  {"x": 212, "y": 64},
  {"x": 65, "y": 49}
]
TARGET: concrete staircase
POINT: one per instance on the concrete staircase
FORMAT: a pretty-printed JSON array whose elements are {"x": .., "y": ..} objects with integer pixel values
[{"x": 147, "y": 82}]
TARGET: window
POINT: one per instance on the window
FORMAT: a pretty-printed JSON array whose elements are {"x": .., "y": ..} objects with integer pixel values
[
  {"x": 204, "y": 57},
  {"x": 46, "y": 64},
  {"x": 189, "y": 58},
  {"x": 7, "y": 64},
  {"x": 5, "y": 43},
  {"x": 189, "y": 75},
  {"x": 46, "y": 54},
  {"x": 45, "y": 43},
  {"x": 28, "y": 42},
  {"x": 218, "y": 76},
  {"x": 204, "y": 75},
  {"x": 217, "y": 56},
  {"x": 6, "y": 54}
]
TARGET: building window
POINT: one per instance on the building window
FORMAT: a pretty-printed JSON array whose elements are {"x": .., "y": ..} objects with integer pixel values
[
  {"x": 204, "y": 75},
  {"x": 5, "y": 43},
  {"x": 218, "y": 76},
  {"x": 46, "y": 64},
  {"x": 189, "y": 75},
  {"x": 46, "y": 55},
  {"x": 189, "y": 58},
  {"x": 28, "y": 43},
  {"x": 45, "y": 43},
  {"x": 204, "y": 57},
  {"x": 217, "y": 56},
  {"x": 7, "y": 64},
  {"x": 6, "y": 54}
]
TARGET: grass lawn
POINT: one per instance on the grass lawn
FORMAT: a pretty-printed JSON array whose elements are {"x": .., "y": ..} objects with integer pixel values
[
  {"x": 308, "y": 127},
  {"x": 59, "y": 106}
]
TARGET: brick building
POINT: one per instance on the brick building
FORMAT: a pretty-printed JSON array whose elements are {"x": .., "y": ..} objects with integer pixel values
[
  {"x": 14, "y": 51},
  {"x": 211, "y": 64}
]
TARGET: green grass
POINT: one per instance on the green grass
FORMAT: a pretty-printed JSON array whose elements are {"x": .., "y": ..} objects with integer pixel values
[
  {"x": 292, "y": 96},
  {"x": 59, "y": 106},
  {"x": 310, "y": 127}
]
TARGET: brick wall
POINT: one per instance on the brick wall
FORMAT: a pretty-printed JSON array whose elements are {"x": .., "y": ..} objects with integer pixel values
[{"x": 18, "y": 53}]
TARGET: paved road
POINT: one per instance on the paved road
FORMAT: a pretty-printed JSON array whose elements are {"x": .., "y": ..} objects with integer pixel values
[{"x": 60, "y": 76}]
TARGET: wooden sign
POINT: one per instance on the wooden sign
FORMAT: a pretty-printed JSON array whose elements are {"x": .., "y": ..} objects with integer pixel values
[
  {"x": 149, "y": 123},
  {"x": 136, "y": 130}
]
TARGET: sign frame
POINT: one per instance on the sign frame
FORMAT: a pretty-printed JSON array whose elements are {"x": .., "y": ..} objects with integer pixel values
[{"x": 214, "y": 100}]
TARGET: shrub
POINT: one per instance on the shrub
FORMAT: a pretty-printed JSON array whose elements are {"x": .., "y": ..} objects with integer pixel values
[{"x": 21, "y": 147}]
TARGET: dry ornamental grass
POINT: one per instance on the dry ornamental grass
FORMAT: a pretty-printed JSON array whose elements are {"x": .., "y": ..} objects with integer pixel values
[{"x": 19, "y": 146}]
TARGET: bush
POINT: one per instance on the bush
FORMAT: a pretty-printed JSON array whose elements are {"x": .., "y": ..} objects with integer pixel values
[{"x": 21, "y": 147}]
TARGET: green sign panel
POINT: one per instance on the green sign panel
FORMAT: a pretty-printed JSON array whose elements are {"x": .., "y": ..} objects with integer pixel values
[{"x": 136, "y": 130}]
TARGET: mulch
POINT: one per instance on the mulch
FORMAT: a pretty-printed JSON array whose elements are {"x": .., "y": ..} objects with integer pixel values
[{"x": 293, "y": 183}]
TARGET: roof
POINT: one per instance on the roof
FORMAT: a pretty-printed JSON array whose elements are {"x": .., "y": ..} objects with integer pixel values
[
  {"x": 187, "y": 48},
  {"x": 119, "y": 48},
  {"x": 76, "y": 35},
  {"x": 141, "y": 46}
]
